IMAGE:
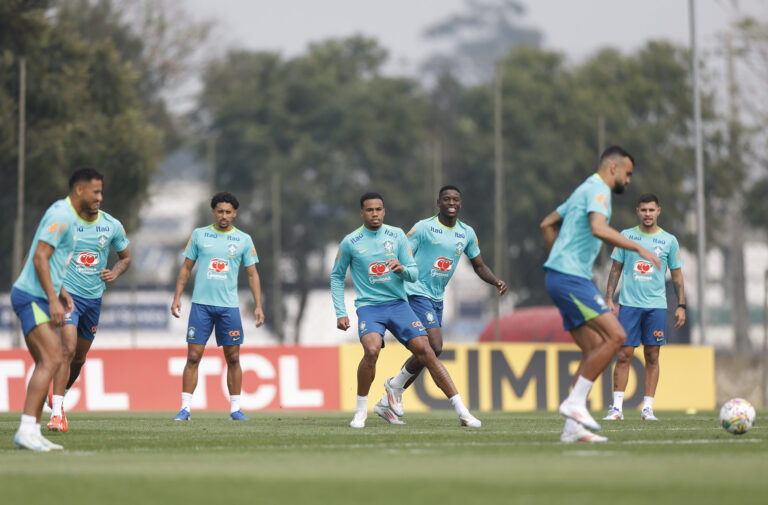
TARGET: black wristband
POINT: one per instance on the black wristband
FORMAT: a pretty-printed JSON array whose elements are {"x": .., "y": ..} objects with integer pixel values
[{"x": 682, "y": 305}]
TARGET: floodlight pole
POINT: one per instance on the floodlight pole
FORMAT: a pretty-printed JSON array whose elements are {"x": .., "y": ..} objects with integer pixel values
[
  {"x": 18, "y": 227},
  {"x": 498, "y": 208},
  {"x": 700, "y": 217}
]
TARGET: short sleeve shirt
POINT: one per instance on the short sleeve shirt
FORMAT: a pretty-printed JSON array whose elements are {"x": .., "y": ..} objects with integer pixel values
[{"x": 219, "y": 256}]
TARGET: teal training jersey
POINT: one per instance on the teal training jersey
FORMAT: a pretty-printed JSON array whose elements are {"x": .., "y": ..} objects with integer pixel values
[
  {"x": 643, "y": 285},
  {"x": 57, "y": 228},
  {"x": 437, "y": 250},
  {"x": 575, "y": 249},
  {"x": 219, "y": 255},
  {"x": 365, "y": 252},
  {"x": 94, "y": 239}
]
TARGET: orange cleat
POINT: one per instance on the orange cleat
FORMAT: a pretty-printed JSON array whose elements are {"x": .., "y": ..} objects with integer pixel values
[{"x": 55, "y": 424}]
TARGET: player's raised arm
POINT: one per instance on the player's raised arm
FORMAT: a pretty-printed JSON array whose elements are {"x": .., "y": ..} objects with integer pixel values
[
  {"x": 602, "y": 230},
  {"x": 338, "y": 274},
  {"x": 549, "y": 227}
]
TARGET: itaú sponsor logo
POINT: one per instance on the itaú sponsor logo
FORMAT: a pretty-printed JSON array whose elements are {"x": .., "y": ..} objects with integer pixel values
[
  {"x": 87, "y": 259},
  {"x": 642, "y": 268}
]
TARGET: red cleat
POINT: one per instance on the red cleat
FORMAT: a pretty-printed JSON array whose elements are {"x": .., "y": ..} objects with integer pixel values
[{"x": 55, "y": 424}]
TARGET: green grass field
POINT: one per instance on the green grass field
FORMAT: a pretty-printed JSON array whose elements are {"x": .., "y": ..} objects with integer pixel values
[{"x": 145, "y": 458}]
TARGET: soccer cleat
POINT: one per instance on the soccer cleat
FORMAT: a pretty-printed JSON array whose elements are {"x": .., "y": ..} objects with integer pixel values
[
  {"x": 51, "y": 446},
  {"x": 386, "y": 413},
  {"x": 57, "y": 423},
  {"x": 581, "y": 434},
  {"x": 395, "y": 398},
  {"x": 647, "y": 414},
  {"x": 359, "y": 420},
  {"x": 578, "y": 413},
  {"x": 614, "y": 414},
  {"x": 470, "y": 421},
  {"x": 183, "y": 415},
  {"x": 238, "y": 416},
  {"x": 31, "y": 441}
]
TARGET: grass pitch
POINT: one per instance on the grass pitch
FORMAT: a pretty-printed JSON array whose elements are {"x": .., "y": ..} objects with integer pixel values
[{"x": 516, "y": 458}]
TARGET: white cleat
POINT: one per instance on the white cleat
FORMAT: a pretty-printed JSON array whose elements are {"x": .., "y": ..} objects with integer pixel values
[
  {"x": 578, "y": 413},
  {"x": 31, "y": 441},
  {"x": 581, "y": 434},
  {"x": 359, "y": 420},
  {"x": 395, "y": 398},
  {"x": 51, "y": 446},
  {"x": 647, "y": 415},
  {"x": 470, "y": 421},
  {"x": 614, "y": 414},
  {"x": 386, "y": 413}
]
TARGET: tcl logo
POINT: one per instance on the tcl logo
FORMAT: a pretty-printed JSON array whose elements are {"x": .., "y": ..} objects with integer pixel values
[
  {"x": 87, "y": 259},
  {"x": 378, "y": 268},
  {"x": 643, "y": 267},
  {"x": 443, "y": 264},
  {"x": 218, "y": 266}
]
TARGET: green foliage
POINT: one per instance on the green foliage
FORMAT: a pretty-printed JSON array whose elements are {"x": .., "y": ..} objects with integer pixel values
[{"x": 82, "y": 108}]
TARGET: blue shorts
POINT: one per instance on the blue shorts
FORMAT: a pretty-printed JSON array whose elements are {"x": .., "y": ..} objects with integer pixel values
[
  {"x": 577, "y": 298},
  {"x": 427, "y": 310},
  {"x": 203, "y": 318},
  {"x": 32, "y": 310},
  {"x": 85, "y": 316},
  {"x": 644, "y": 325},
  {"x": 397, "y": 317}
]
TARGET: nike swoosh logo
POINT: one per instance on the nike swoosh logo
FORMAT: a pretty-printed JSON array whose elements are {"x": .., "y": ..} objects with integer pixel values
[
  {"x": 433, "y": 242},
  {"x": 207, "y": 245},
  {"x": 361, "y": 251}
]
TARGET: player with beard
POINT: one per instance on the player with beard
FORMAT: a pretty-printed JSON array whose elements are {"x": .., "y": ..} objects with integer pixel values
[
  {"x": 437, "y": 244},
  {"x": 41, "y": 302},
  {"x": 381, "y": 262},
  {"x": 221, "y": 249},
  {"x": 97, "y": 232},
  {"x": 573, "y": 234}
]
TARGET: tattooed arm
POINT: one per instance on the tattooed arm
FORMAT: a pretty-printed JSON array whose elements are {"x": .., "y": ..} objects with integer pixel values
[{"x": 613, "y": 281}]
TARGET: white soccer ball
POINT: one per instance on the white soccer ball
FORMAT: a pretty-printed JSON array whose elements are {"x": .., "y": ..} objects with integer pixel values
[{"x": 737, "y": 416}]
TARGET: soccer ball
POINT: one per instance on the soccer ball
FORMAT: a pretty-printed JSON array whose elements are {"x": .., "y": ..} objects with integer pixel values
[{"x": 737, "y": 416}]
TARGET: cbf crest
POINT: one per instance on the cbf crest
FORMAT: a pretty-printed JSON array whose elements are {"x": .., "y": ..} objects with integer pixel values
[
  {"x": 232, "y": 250},
  {"x": 389, "y": 246},
  {"x": 102, "y": 241},
  {"x": 459, "y": 248}
]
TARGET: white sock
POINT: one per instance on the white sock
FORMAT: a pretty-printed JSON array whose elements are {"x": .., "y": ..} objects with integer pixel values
[
  {"x": 27, "y": 424},
  {"x": 234, "y": 403},
  {"x": 648, "y": 402},
  {"x": 186, "y": 401},
  {"x": 362, "y": 404},
  {"x": 66, "y": 391},
  {"x": 458, "y": 404},
  {"x": 56, "y": 407},
  {"x": 399, "y": 380},
  {"x": 580, "y": 390},
  {"x": 570, "y": 425},
  {"x": 618, "y": 399},
  {"x": 37, "y": 429}
]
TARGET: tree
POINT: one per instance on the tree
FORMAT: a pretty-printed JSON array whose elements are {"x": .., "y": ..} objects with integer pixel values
[{"x": 82, "y": 109}]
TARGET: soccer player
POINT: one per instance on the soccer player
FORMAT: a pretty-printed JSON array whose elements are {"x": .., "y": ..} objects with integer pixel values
[
  {"x": 583, "y": 223},
  {"x": 41, "y": 302},
  {"x": 643, "y": 302},
  {"x": 85, "y": 281},
  {"x": 437, "y": 244},
  {"x": 380, "y": 262},
  {"x": 221, "y": 248}
]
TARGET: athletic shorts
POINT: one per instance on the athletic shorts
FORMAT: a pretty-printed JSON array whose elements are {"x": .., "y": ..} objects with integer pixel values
[
  {"x": 577, "y": 298},
  {"x": 397, "y": 317},
  {"x": 85, "y": 316},
  {"x": 226, "y": 320},
  {"x": 32, "y": 310},
  {"x": 646, "y": 326},
  {"x": 427, "y": 310}
]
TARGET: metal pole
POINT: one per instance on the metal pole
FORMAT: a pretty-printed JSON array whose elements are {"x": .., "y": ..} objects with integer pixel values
[
  {"x": 700, "y": 217},
  {"x": 498, "y": 208},
  {"x": 765, "y": 341},
  {"x": 18, "y": 228},
  {"x": 277, "y": 252}
]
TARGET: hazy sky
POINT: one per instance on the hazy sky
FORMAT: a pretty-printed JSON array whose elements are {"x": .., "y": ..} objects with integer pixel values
[{"x": 576, "y": 27}]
